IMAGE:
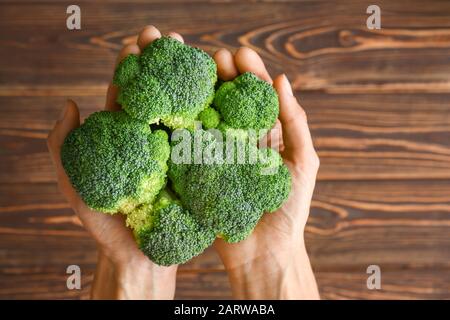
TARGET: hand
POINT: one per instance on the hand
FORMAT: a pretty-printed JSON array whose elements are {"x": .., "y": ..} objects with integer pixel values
[
  {"x": 272, "y": 262},
  {"x": 123, "y": 271}
]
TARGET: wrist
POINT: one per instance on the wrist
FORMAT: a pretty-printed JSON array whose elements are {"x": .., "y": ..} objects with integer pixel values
[
  {"x": 143, "y": 279},
  {"x": 260, "y": 251},
  {"x": 268, "y": 276},
  {"x": 273, "y": 275},
  {"x": 139, "y": 278}
]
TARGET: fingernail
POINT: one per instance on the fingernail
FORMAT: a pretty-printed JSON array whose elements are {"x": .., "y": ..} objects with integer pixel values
[{"x": 287, "y": 84}]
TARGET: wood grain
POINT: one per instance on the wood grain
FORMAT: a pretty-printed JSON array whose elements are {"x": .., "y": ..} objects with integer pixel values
[
  {"x": 358, "y": 137},
  {"x": 321, "y": 45},
  {"x": 377, "y": 104},
  {"x": 351, "y": 223},
  {"x": 398, "y": 226},
  {"x": 214, "y": 285}
]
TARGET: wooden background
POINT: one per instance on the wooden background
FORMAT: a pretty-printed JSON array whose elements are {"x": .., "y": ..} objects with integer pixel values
[{"x": 378, "y": 106}]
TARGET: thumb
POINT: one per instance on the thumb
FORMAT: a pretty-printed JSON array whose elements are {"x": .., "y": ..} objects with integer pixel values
[
  {"x": 69, "y": 121},
  {"x": 296, "y": 136}
]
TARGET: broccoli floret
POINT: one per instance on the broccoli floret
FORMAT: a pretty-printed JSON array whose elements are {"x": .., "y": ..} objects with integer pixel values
[
  {"x": 115, "y": 162},
  {"x": 127, "y": 70},
  {"x": 229, "y": 197},
  {"x": 169, "y": 82},
  {"x": 167, "y": 233},
  {"x": 210, "y": 118},
  {"x": 247, "y": 102}
]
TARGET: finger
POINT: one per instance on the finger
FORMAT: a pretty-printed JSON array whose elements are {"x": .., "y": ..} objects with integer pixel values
[
  {"x": 247, "y": 60},
  {"x": 274, "y": 138},
  {"x": 296, "y": 135},
  {"x": 126, "y": 50},
  {"x": 69, "y": 121},
  {"x": 226, "y": 69},
  {"x": 111, "y": 98},
  {"x": 176, "y": 36},
  {"x": 147, "y": 36}
]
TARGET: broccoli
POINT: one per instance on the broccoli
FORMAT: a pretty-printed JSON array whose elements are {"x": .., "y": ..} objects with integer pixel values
[
  {"x": 169, "y": 82},
  {"x": 115, "y": 162},
  {"x": 226, "y": 196},
  {"x": 247, "y": 102},
  {"x": 210, "y": 118},
  {"x": 167, "y": 233},
  {"x": 119, "y": 161}
]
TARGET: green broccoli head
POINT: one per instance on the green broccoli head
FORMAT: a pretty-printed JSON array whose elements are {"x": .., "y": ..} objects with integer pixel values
[
  {"x": 227, "y": 196},
  {"x": 115, "y": 162},
  {"x": 169, "y": 82},
  {"x": 167, "y": 233},
  {"x": 247, "y": 102}
]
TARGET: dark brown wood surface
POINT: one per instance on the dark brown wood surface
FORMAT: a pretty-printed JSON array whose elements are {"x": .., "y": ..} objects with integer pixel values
[{"x": 378, "y": 104}]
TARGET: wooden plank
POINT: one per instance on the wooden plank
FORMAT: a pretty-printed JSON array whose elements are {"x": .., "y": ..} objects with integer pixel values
[
  {"x": 363, "y": 113},
  {"x": 420, "y": 284},
  {"x": 399, "y": 284},
  {"x": 385, "y": 223},
  {"x": 352, "y": 225},
  {"x": 321, "y": 45},
  {"x": 358, "y": 137},
  {"x": 396, "y": 284}
]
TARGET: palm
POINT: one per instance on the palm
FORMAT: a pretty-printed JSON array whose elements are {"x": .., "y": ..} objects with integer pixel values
[
  {"x": 108, "y": 230},
  {"x": 276, "y": 231}
]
